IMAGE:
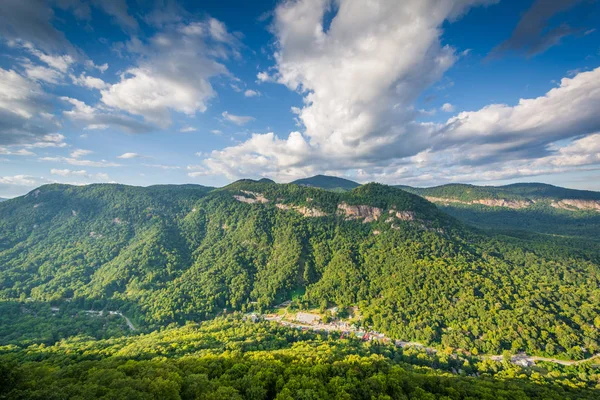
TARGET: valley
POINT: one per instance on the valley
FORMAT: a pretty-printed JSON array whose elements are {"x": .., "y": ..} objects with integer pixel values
[{"x": 427, "y": 283}]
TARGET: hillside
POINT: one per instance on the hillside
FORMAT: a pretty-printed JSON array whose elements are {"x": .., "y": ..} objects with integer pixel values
[
  {"x": 232, "y": 359},
  {"x": 327, "y": 182},
  {"x": 167, "y": 254},
  {"x": 533, "y": 207}
]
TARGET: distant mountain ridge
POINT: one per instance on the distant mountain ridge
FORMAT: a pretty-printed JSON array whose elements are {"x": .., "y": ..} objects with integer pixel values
[
  {"x": 533, "y": 207},
  {"x": 515, "y": 191},
  {"x": 327, "y": 182},
  {"x": 175, "y": 253}
]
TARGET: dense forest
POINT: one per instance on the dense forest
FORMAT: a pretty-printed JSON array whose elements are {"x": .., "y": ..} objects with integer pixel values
[
  {"x": 169, "y": 254},
  {"x": 531, "y": 207},
  {"x": 231, "y": 359}
]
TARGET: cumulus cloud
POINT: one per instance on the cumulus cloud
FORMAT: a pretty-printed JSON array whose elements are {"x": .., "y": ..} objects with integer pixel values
[
  {"x": 251, "y": 93},
  {"x": 89, "y": 82},
  {"x": 447, "y": 107},
  {"x": 174, "y": 71},
  {"x": 237, "y": 119},
  {"x": 23, "y": 107},
  {"x": 94, "y": 118},
  {"x": 526, "y": 129},
  {"x": 391, "y": 53},
  {"x": 80, "y": 153}
]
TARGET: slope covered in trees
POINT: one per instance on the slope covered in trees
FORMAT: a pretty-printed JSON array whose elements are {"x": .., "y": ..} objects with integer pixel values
[
  {"x": 231, "y": 359},
  {"x": 533, "y": 207},
  {"x": 327, "y": 182},
  {"x": 174, "y": 254}
]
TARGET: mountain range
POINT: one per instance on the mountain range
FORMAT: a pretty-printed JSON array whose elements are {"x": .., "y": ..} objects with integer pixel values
[{"x": 172, "y": 253}]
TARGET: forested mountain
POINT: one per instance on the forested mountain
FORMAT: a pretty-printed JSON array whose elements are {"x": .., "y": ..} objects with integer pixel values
[
  {"x": 229, "y": 359},
  {"x": 177, "y": 253},
  {"x": 533, "y": 207},
  {"x": 327, "y": 182},
  {"x": 516, "y": 191}
]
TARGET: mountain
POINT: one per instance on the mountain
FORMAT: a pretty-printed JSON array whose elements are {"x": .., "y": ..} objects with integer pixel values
[
  {"x": 327, "y": 182},
  {"x": 2, "y": 199},
  {"x": 166, "y": 254},
  {"x": 533, "y": 207}
]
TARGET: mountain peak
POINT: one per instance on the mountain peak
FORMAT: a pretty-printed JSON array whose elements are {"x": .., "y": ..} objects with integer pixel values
[{"x": 327, "y": 182}]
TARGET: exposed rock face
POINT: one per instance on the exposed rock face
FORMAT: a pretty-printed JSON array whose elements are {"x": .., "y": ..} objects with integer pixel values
[
  {"x": 254, "y": 197},
  {"x": 516, "y": 204},
  {"x": 504, "y": 203},
  {"x": 306, "y": 211},
  {"x": 570, "y": 204},
  {"x": 403, "y": 215},
  {"x": 355, "y": 212}
]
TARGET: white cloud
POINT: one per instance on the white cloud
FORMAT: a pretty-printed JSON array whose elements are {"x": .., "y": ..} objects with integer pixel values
[
  {"x": 89, "y": 82},
  {"x": 21, "y": 152},
  {"x": 447, "y": 107},
  {"x": 263, "y": 77},
  {"x": 43, "y": 74},
  {"x": 174, "y": 71},
  {"x": 94, "y": 118},
  {"x": 161, "y": 166},
  {"x": 251, "y": 93},
  {"x": 98, "y": 177},
  {"x": 91, "y": 65},
  {"x": 128, "y": 156},
  {"x": 237, "y": 119},
  {"x": 19, "y": 95},
  {"x": 525, "y": 130},
  {"x": 18, "y": 180},
  {"x": 68, "y": 172},
  {"x": 23, "y": 109},
  {"x": 80, "y": 162},
  {"x": 60, "y": 63},
  {"x": 216, "y": 132},
  {"x": 392, "y": 53},
  {"x": 80, "y": 153},
  {"x": 188, "y": 129}
]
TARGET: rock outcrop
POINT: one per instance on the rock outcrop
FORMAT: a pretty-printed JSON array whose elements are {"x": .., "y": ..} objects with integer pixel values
[
  {"x": 515, "y": 204},
  {"x": 362, "y": 211},
  {"x": 254, "y": 197},
  {"x": 306, "y": 211},
  {"x": 573, "y": 204}
]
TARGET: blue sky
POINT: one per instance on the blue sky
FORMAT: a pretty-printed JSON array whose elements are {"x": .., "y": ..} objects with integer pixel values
[{"x": 415, "y": 92}]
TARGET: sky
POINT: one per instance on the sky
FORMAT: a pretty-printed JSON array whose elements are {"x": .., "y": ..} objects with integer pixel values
[{"x": 414, "y": 92}]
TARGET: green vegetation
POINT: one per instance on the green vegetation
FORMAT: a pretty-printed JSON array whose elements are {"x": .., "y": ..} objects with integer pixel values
[
  {"x": 173, "y": 254},
  {"x": 516, "y": 191},
  {"x": 536, "y": 212},
  {"x": 36, "y": 322},
  {"x": 328, "y": 182},
  {"x": 168, "y": 255},
  {"x": 230, "y": 359}
]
